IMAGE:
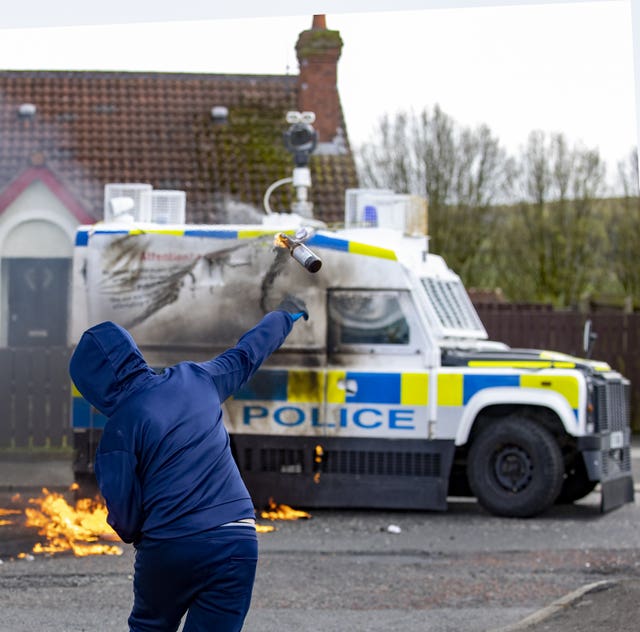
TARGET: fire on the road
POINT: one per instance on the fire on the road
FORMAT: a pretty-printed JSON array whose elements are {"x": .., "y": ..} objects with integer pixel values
[
  {"x": 64, "y": 528},
  {"x": 7, "y": 512},
  {"x": 282, "y": 512},
  {"x": 78, "y": 529}
]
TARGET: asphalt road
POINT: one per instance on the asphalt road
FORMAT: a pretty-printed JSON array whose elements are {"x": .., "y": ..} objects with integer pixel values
[{"x": 463, "y": 570}]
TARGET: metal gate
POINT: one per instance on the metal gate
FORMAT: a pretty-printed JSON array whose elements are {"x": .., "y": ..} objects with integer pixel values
[{"x": 34, "y": 397}]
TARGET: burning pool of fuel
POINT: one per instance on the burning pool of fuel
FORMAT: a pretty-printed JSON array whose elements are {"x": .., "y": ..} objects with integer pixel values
[
  {"x": 64, "y": 528},
  {"x": 4, "y": 521},
  {"x": 81, "y": 529},
  {"x": 282, "y": 512}
]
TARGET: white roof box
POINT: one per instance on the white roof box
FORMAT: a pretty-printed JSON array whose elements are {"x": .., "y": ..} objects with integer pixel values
[
  {"x": 382, "y": 208},
  {"x": 127, "y": 202}
]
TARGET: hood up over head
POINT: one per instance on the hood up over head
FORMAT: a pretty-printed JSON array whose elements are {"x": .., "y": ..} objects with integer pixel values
[{"x": 107, "y": 366}]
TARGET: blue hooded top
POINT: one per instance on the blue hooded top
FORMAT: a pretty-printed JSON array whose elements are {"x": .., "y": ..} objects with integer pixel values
[{"x": 164, "y": 463}]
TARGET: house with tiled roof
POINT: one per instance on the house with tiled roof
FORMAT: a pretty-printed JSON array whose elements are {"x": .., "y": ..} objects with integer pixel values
[
  {"x": 219, "y": 138},
  {"x": 65, "y": 135}
]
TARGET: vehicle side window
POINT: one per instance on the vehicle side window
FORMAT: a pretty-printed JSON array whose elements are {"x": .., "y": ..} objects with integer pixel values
[{"x": 367, "y": 317}]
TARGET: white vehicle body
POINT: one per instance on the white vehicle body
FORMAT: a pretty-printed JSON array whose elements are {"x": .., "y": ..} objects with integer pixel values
[{"x": 380, "y": 397}]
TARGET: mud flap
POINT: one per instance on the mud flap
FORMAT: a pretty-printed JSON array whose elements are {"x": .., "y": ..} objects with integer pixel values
[{"x": 616, "y": 492}]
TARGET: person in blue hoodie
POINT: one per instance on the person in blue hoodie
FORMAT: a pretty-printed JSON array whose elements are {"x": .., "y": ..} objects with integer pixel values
[{"x": 165, "y": 469}]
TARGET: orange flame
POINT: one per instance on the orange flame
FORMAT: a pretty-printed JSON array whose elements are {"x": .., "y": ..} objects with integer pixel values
[
  {"x": 8, "y": 512},
  {"x": 282, "y": 512},
  {"x": 78, "y": 529},
  {"x": 68, "y": 528},
  {"x": 317, "y": 459},
  {"x": 280, "y": 240}
]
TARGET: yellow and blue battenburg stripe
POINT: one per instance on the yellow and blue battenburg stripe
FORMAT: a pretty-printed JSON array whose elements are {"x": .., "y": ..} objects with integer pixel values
[
  {"x": 407, "y": 389},
  {"x": 545, "y": 360},
  {"x": 353, "y": 247},
  {"x": 284, "y": 386},
  {"x": 317, "y": 241},
  {"x": 83, "y": 235},
  {"x": 404, "y": 389},
  {"x": 457, "y": 389},
  {"x": 522, "y": 364}
]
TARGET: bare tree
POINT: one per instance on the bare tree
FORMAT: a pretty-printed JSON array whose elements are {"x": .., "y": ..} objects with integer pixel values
[
  {"x": 558, "y": 241},
  {"x": 624, "y": 229},
  {"x": 387, "y": 163},
  {"x": 550, "y": 244},
  {"x": 461, "y": 171},
  {"x": 628, "y": 175}
]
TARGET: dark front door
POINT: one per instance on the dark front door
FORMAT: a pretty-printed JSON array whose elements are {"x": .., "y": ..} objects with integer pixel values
[{"x": 38, "y": 301}]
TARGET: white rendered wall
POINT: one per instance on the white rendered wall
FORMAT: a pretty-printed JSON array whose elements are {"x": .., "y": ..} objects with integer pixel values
[{"x": 36, "y": 224}]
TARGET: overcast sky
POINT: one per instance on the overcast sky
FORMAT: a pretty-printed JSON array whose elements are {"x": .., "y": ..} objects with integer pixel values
[{"x": 559, "y": 67}]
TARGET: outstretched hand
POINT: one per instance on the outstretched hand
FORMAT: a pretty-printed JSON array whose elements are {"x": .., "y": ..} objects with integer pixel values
[{"x": 294, "y": 306}]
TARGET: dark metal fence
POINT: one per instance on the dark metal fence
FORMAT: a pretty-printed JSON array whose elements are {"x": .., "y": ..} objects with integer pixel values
[
  {"x": 541, "y": 327},
  {"x": 34, "y": 397}
]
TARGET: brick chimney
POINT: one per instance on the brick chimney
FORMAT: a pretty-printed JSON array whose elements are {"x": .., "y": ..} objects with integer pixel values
[{"x": 318, "y": 51}]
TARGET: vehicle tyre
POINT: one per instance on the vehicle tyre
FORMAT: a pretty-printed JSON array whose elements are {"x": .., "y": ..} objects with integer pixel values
[
  {"x": 515, "y": 468},
  {"x": 576, "y": 484}
]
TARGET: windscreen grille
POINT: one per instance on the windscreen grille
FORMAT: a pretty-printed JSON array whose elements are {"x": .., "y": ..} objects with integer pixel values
[{"x": 452, "y": 304}]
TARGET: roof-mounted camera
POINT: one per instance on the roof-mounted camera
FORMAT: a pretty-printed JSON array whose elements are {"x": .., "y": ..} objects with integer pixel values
[{"x": 301, "y": 138}]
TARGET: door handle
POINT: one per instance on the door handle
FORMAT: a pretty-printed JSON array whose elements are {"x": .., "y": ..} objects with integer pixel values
[{"x": 350, "y": 387}]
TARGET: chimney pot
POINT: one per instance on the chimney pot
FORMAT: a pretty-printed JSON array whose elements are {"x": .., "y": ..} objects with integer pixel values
[{"x": 319, "y": 22}]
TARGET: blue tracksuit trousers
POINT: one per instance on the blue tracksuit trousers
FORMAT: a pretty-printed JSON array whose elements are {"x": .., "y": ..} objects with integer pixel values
[{"x": 210, "y": 577}]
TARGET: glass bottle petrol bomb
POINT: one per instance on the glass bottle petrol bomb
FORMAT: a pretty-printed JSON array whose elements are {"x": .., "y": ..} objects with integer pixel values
[{"x": 303, "y": 255}]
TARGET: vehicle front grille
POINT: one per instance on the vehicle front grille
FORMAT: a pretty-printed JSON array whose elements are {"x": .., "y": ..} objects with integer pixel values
[
  {"x": 613, "y": 405},
  {"x": 613, "y": 399}
]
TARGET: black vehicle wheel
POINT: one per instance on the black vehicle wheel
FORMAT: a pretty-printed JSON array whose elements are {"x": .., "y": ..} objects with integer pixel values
[
  {"x": 576, "y": 484},
  {"x": 515, "y": 468}
]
